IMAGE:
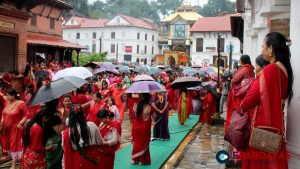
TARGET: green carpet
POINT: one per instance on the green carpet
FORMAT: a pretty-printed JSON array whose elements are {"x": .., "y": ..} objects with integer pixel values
[{"x": 160, "y": 151}]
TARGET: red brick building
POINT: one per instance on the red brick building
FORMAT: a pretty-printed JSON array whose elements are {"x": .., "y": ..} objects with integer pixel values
[{"x": 28, "y": 27}]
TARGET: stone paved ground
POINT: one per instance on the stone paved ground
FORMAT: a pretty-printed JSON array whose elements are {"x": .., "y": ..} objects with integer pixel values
[{"x": 201, "y": 151}]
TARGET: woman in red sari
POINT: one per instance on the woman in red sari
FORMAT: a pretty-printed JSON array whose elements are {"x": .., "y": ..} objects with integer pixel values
[
  {"x": 141, "y": 131},
  {"x": 110, "y": 130},
  {"x": 208, "y": 109},
  {"x": 81, "y": 142},
  {"x": 14, "y": 117},
  {"x": 117, "y": 93},
  {"x": 265, "y": 92},
  {"x": 245, "y": 71},
  {"x": 33, "y": 110},
  {"x": 64, "y": 111},
  {"x": 34, "y": 151},
  {"x": 95, "y": 106}
]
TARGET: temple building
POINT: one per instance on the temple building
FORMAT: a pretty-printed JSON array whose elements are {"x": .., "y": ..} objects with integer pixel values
[{"x": 175, "y": 38}]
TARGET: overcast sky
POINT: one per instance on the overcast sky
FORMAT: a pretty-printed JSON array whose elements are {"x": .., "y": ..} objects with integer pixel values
[{"x": 194, "y": 2}]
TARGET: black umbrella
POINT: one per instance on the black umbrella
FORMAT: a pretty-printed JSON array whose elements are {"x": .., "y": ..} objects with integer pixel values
[
  {"x": 185, "y": 82},
  {"x": 55, "y": 89},
  {"x": 213, "y": 91}
]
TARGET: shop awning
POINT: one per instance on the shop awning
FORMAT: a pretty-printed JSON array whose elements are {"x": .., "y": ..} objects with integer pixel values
[{"x": 53, "y": 41}]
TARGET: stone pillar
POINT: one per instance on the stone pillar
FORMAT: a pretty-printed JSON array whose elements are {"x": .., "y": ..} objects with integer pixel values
[{"x": 293, "y": 113}]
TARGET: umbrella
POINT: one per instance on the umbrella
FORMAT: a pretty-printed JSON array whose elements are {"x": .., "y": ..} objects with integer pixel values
[
  {"x": 212, "y": 84},
  {"x": 154, "y": 71},
  {"x": 139, "y": 69},
  {"x": 168, "y": 69},
  {"x": 210, "y": 70},
  {"x": 80, "y": 72},
  {"x": 100, "y": 70},
  {"x": 145, "y": 87},
  {"x": 213, "y": 91},
  {"x": 107, "y": 65},
  {"x": 124, "y": 69},
  {"x": 190, "y": 71},
  {"x": 55, "y": 89},
  {"x": 185, "y": 82},
  {"x": 143, "y": 78},
  {"x": 196, "y": 66},
  {"x": 146, "y": 68}
]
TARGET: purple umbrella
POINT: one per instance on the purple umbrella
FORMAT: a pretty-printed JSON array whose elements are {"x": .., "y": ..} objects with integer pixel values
[
  {"x": 99, "y": 70},
  {"x": 107, "y": 65},
  {"x": 212, "y": 84},
  {"x": 143, "y": 77},
  {"x": 145, "y": 87}
]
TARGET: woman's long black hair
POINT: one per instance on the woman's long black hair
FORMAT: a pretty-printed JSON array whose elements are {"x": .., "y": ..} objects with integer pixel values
[
  {"x": 36, "y": 119},
  {"x": 245, "y": 59},
  {"x": 145, "y": 99},
  {"x": 282, "y": 54},
  {"x": 76, "y": 117}
]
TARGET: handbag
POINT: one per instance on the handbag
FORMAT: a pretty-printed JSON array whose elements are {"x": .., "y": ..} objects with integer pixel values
[
  {"x": 238, "y": 131},
  {"x": 263, "y": 137},
  {"x": 241, "y": 88}
]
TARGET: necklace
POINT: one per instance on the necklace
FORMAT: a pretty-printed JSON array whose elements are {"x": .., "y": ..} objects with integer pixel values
[{"x": 161, "y": 99}]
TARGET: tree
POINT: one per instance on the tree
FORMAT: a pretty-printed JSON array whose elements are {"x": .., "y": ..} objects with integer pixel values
[
  {"x": 97, "y": 10},
  {"x": 85, "y": 59},
  {"x": 215, "y": 7},
  {"x": 166, "y": 6},
  {"x": 80, "y": 6}
]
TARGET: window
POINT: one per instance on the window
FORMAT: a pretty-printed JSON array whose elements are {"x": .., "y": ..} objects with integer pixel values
[
  {"x": 33, "y": 20},
  {"x": 152, "y": 37},
  {"x": 138, "y": 35},
  {"x": 128, "y": 49},
  {"x": 113, "y": 35},
  {"x": 94, "y": 35},
  {"x": 78, "y": 36},
  {"x": 52, "y": 23},
  {"x": 145, "y": 49},
  {"x": 222, "y": 44},
  {"x": 137, "y": 49},
  {"x": 146, "y": 36},
  {"x": 199, "y": 45},
  {"x": 113, "y": 48},
  {"x": 152, "y": 50},
  {"x": 94, "y": 48}
]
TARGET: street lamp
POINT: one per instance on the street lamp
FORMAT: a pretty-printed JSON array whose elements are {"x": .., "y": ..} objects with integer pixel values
[{"x": 100, "y": 45}]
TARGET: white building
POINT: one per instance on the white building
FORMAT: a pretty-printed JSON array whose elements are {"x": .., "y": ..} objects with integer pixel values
[
  {"x": 124, "y": 38},
  {"x": 205, "y": 39},
  {"x": 264, "y": 16}
]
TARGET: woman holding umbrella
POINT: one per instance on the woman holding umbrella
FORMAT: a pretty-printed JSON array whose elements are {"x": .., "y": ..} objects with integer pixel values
[
  {"x": 141, "y": 131},
  {"x": 160, "y": 106}
]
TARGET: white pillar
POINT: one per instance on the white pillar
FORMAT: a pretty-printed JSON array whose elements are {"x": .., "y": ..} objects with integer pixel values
[{"x": 293, "y": 114}]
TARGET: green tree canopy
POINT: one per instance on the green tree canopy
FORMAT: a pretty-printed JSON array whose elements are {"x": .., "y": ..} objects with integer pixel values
[
  {"x": 80, "y": 6},
  {"x": 215, "y": 7}
]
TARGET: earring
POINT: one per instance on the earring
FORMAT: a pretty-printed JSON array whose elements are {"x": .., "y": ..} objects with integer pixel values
[{"x": 271, "y": 54}]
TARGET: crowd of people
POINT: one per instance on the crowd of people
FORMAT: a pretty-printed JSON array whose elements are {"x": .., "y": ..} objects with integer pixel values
[{"x": 83, "y": 127}]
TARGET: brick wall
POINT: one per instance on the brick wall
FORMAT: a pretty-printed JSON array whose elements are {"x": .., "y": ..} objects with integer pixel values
[
  {"x": 43, "y": 20},
  {"x": 21, "y": 36}
]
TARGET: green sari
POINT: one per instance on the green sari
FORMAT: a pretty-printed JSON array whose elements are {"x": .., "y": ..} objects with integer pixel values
[{"x": 54, "y": 158}]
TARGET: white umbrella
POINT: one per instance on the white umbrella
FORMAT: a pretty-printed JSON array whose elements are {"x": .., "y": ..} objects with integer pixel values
[{"x": 80, "y": 72}]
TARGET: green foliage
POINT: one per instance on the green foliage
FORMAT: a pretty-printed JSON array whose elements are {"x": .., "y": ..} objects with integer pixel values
[
  {"x": 84, "y": 59},
  {"x": 166, "y": 6},
  {"x": 215, "y": 7},
  {"x": 80, "y": 6}
]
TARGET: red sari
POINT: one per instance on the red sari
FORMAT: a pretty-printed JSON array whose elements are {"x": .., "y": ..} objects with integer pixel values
[
  {"x": 107, "y": 153},
  {"x": 233, "y": 102},
  {"x": 34, "y": 155},
  {"x": 141, "y": 137},
  {"x": 11, "y": 116},
  {"x": 209, "y": 107},
  {"x": 72, "y": 158},
  {"x": 92, "y": 116},
  {"x": 117, "y": 94},
  {"x": 264, "y": 91}
]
